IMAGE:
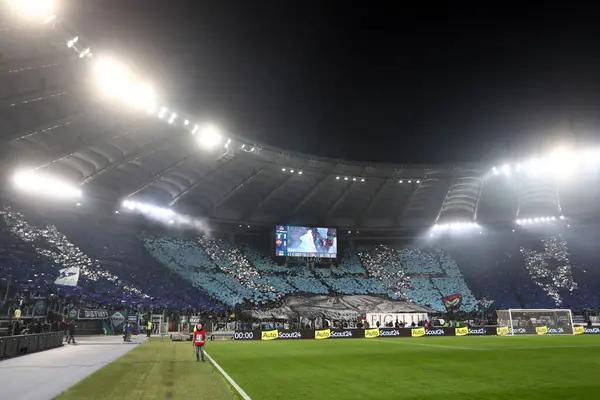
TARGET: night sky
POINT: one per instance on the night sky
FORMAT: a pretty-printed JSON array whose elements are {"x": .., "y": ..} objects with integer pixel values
[{"x": 403, "y": 83}]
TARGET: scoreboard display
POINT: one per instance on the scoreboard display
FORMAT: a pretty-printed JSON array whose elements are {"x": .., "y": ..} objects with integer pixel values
[{"x": 303, "y": 241}]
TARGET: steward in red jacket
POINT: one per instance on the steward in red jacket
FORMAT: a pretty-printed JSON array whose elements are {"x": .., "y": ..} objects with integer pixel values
[{"x": 198, "y": 341}]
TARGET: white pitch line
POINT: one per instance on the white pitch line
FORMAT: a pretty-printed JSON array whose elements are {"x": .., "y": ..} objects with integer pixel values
[
  {"x": 412, "y": 342},
  {"x": 229, "y": 379}
]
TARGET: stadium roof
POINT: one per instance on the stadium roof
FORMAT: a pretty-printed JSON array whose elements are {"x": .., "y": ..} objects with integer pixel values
[{"x": 52, "y": 120}]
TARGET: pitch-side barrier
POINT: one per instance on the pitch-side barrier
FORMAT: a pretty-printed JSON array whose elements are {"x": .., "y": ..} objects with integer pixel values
[
  {"x": 286, "y": 334},
  {"x": 11, "y": 346}
]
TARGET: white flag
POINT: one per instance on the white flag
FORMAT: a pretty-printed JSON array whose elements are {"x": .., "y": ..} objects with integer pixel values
[{"x": 68, "y": 277}]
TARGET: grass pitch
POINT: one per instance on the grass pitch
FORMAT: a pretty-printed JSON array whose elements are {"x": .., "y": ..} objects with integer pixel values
[{"x": 523, "y": 367}]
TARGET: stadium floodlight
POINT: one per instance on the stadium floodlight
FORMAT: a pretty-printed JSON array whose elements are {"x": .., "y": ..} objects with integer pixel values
[
  {"x": 35, "y": 9},
  {"x": 536, "y": 220},
  {"x": 456, "y": 226},
  {"x": 210, "y": 137},
  {"x": 140, "y": 95},
  {"x": 116, "y": 80},
  {"x": 43, "y": 185},
  {"x": 112, "y": 75},
  {"x": 163, "y": 111}
]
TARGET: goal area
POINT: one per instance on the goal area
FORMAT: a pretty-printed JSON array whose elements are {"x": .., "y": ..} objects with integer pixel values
[{"x": 536, "y": 321}]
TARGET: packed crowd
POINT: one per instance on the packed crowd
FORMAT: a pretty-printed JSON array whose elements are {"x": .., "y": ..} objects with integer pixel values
[{"x": 120, "y": 266}]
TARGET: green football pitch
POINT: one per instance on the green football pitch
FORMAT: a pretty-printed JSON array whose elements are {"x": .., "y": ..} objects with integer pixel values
[{"x": 523, "y": 367}]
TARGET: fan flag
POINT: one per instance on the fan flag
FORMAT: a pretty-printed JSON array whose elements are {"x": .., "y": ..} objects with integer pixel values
[{"x": 68, "y": 277}]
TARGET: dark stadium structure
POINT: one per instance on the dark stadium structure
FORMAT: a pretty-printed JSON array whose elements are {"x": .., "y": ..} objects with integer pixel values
[{"x": 53, "y": 122}]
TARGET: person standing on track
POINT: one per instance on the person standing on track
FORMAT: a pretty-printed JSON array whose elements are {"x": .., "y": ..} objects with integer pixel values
[
  {"x": 149, "y": 329},
  {"x": 198, "y": 341}
]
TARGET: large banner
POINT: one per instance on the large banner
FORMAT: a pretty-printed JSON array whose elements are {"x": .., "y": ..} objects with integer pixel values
[
  {"x": 392, "y": 318},
  {"x": 92, "y": 314},
  {"x": 343, "y": 307}
]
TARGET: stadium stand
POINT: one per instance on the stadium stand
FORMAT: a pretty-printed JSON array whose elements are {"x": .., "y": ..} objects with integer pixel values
[{"x": 121, "y": 265}]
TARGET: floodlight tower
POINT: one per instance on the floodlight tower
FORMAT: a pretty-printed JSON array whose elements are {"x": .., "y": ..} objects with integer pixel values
[
  {"x": 538, "y": 198},
  {"x": 459, "y": 207}
]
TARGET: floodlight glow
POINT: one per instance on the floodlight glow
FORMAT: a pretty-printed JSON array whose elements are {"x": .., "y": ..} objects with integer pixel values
[
  {"x": 112, "y": 76},
  {"x": 72, "y": 42},
  {"x": 35, "y": 8},
  {"x": 536, "y": 220},
  {"x": 43, "y": 185},
  {"x": 456, "y": 226},
  {"x": 210, "y": 137},
  {"x": 140, "y": 95}
]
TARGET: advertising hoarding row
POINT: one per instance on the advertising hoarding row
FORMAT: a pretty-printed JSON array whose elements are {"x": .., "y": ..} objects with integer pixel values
[{"x": 321, "y": 334}]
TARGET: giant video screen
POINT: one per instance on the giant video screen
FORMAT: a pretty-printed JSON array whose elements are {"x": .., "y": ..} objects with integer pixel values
[{"x": 303, "y": 241}]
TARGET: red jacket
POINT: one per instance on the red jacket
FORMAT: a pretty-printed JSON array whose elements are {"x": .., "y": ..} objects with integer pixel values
[{"x": 199, "y": 337}]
